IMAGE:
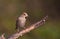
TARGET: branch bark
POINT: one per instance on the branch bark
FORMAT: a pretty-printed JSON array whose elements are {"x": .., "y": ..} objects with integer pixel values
[{"x": 32, "y": 27}]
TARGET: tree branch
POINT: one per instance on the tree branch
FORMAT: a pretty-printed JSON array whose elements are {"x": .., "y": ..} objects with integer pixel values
[{"x": 24, "y": 31}]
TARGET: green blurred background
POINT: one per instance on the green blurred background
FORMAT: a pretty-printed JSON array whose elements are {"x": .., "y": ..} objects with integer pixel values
[{"x": 11, "y": 9}]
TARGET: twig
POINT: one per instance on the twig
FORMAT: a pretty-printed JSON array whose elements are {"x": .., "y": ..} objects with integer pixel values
[
  {"x": 24, "y": 31},
  {"x": 33, "y": 26}
]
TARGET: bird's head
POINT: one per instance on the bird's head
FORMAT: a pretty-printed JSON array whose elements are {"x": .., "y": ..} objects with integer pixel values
[{"x": 25, "y": 14}]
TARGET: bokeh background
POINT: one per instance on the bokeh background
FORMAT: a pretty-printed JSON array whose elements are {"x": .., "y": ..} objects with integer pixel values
[{"x": 36, "y": 9}]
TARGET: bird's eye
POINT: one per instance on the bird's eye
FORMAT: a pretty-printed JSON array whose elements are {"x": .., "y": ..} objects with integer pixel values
[{"x": 24, "y": 14}]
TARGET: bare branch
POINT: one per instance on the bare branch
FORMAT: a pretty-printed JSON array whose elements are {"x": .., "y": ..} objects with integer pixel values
[{"x": 24, "y": 31}]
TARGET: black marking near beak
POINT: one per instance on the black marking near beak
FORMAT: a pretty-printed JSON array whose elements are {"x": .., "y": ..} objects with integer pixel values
[{"x": 26, "y": 17}]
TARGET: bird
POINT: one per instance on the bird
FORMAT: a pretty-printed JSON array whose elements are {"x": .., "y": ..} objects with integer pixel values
[
  {"x": 21, "y": 21},
  {"x": 2, "y": 36}
]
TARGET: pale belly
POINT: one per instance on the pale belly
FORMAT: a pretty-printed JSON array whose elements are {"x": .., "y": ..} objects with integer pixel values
[{"x": 22, "y": 22}]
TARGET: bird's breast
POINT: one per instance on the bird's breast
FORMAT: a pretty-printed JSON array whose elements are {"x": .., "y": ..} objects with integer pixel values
[{"x": 22, "y": 20}]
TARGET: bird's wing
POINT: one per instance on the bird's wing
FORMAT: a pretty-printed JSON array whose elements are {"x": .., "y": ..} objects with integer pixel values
[{"x": 17, "y": 24}]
